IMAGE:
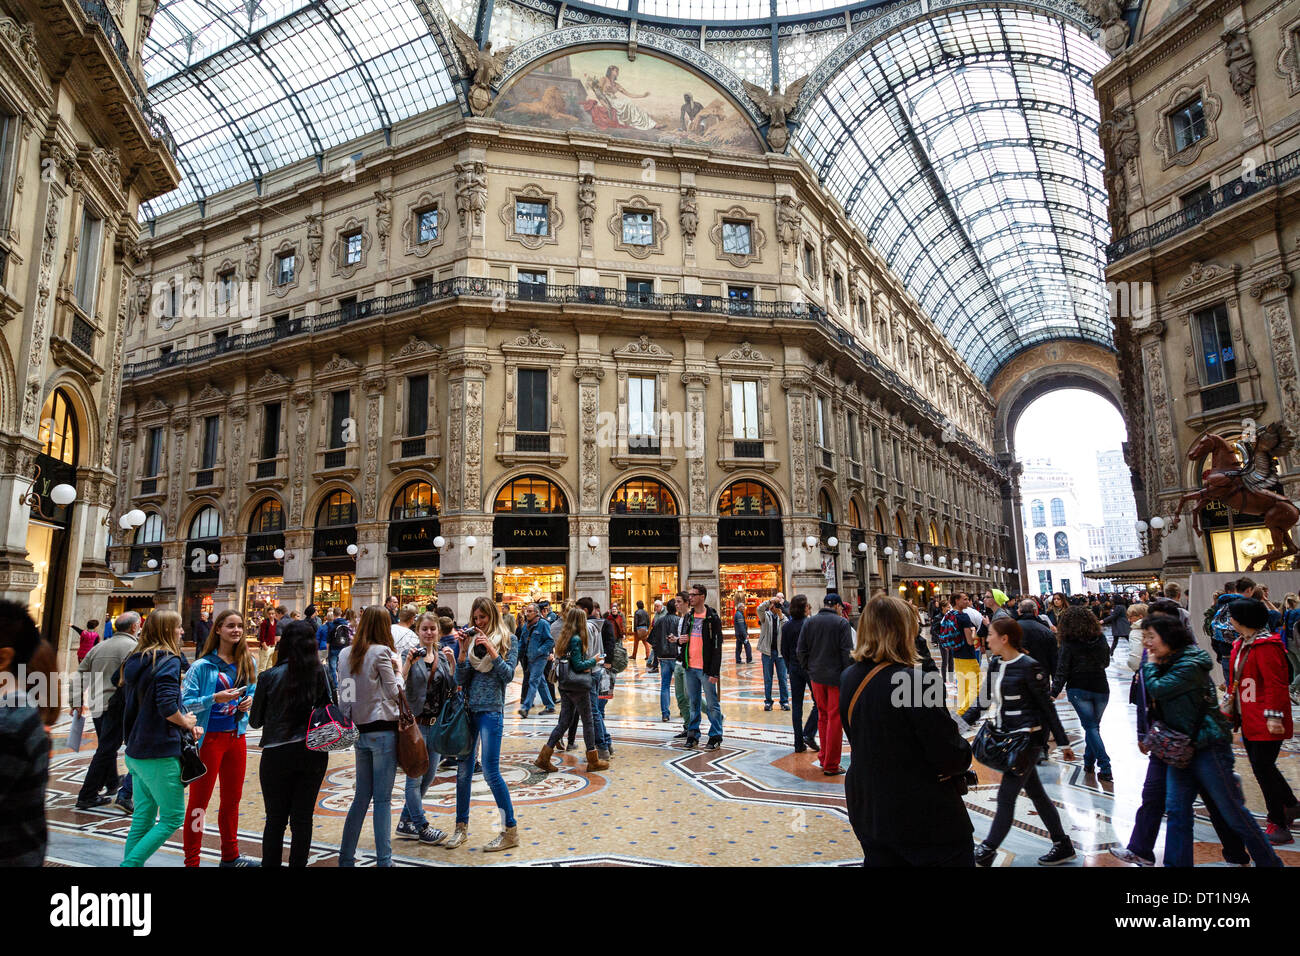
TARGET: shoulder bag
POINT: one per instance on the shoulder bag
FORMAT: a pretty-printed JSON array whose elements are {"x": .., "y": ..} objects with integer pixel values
[
  {"x": 853, "y": 701},
  {"x": 192, "y": 766},
  {"x": 1004, "y": 752},
  {"x": 1173, "y": 747},
  {"x": 451, "y": 733},
  {"x": 412, "y": 752},
  {"x": 327, "y": 729},
  {"x": 566, "y": 678}
]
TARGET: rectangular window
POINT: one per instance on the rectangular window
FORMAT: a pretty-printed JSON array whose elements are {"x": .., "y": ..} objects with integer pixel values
[
  {"x": 164, "y": 351},
  {"x": 1188, "y": 123},
  {"x": 638, "y": 228},
  {"x": 740, "y": 299},
  {"x": 284, "y": 265},
  {"x": 898, "y": 461},
  {"x": 220, "y": 338},
  {"x": 1196, "y": 199},
  {"x": 340, "y": 406},
  {"x": 172, "y": 296},
  {"x": 88, "y": 262},
  {"x": 1044, "y": 582},
  {"x": 426, "y": 225},
  {"x": 270, "y": 430},
  {"x": 211, "y": 428},
  {"x": 281, "y": 324},
  {"x": 640, "y": 291},
  {"x": 809, "y": 261},
  {"x": 862, "y": 312},
  {"x": 226, "y": 287},
  {"x": 423, "y": 288},
  {"x": 853, "y": 436},
  {"x": 352, "y": 248},
  {"x": 532, "y": 285},
  {"x": 532, "y": 218},
  {"x": 9, "y": 126},
  {"x": 1219, "y": 360},
  {"x": 744, "y": 411},
  {"x": 877, "y": 458},
  {"x": 533, "y": 400},
  {"x": 838, "y": 285},
  {"x": 821, "y": 423},
  {"x": 736, "y": 239},
  {"x": 642, "y": 420},
  {"x": 417, "y": 405},
  {"x": 348, "y": 306},
  {"x": 153, "y": 453}
]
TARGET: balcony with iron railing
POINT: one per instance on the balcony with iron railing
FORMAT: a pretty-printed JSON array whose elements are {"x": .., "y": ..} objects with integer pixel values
[
  {"x": 1264, "y": 176},
  {"x": 473, "y": 287}
]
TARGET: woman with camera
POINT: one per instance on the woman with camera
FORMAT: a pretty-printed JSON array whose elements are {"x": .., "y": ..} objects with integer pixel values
[
  {"x": 1015, "y": 690},
  {"x": 486, "y": 665},
  {"x": 905, "y": 782},
  {"x": 575, "y": 692},
  {"x": 429, "y": 674},
  {"x": 219, "y": 689},
  {"x": 368, "y": 689},
  {"x": 290, "y": 774}
]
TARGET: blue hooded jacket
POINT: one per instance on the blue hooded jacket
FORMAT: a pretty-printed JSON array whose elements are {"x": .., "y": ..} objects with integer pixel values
[{"x": 153, "y": 693}]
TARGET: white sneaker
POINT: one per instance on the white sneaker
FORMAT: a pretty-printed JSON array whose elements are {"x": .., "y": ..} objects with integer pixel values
[{"x": 1125, "y": 855}]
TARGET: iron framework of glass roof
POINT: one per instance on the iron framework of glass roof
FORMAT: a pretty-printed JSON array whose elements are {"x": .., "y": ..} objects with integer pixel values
[{"x": 964, "y": 145}]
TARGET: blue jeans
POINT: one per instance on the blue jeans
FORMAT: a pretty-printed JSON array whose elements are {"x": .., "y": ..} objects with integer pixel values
[
  {"x": 779, "y": 663},
  {"x": 667, "y": 667},
  {"x": 597, "y": 717},
  {"x": 1146, "y": 823},
  {"x": 1210, "y": 772},
  {"x": 334, "y": 666},
  {"x": 536, "y": 676},
  {"x": 696, "y": 685},
  {"x": 607, "y": 742},
  {"x": 376, "y": 770},
  {"x": 1090, "y": 705},
  {"x": 417, "y": 787},
  {"x": 485, "y": 726},
  {"x": 798, "y": 684}
]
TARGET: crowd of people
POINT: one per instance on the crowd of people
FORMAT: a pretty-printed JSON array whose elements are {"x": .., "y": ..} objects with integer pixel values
[{"x": 868, "y": 677}]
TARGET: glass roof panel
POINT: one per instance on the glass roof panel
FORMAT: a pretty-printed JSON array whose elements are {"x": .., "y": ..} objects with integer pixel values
[
  {"x": 250, "y": 86},
  {"x": 1010, "y": 249}
]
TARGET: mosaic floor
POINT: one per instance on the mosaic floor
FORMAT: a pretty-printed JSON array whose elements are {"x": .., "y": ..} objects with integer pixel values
[{"x": 752, "y": 802}]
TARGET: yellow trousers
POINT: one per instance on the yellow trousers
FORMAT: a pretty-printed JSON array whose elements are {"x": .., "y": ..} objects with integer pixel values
[{"x": 968, "y": 682}]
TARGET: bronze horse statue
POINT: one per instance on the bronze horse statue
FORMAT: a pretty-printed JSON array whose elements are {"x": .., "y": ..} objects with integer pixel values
[{"x": 1246, "y": 488}]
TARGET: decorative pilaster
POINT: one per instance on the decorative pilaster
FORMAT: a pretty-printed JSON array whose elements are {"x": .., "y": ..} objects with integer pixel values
[
  {"x": 302, "y": 399},
  {"x": 696, "y": 383},
  {"x": 589, "y": 378},
  {"x": 465, "y": 388},
  {"x": 1272, "y": 295},
  {"x": 373, "y": 385}
]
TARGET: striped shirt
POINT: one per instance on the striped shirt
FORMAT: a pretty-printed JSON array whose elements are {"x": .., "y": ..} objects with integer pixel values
[{"x": 24, "y": 770}]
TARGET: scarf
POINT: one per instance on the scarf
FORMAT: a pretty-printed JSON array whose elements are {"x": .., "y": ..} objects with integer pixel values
[{"x": 485, "y": 663}]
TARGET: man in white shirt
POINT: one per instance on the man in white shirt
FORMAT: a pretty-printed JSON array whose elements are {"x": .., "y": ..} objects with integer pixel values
[{"x": 404, "y": 637}]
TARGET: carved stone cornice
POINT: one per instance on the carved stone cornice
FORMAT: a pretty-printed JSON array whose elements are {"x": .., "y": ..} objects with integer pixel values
[
  {"x": 693, "y": 377},
  {"x": 468, "y": 363},
  {"x": 589, "y": 373},
  {"x": 1270, "y": 286},
  {"x": 18, "y": 44}
]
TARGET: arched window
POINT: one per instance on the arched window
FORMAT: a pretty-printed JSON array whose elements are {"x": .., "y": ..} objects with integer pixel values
[
  {"x": 1040, "y": 547},
  {"x": 268, "y": 517},
  {"x": 855, "y": 515},
  {"x": 920, "y": 535},
  {"x": 1062, "y": 545},
  {"x": 531, "y": 495},
  {"x": 747, "y": 499},
  {"x": 947, "y": 537},
  {"x": 881, "y": 526},
  {"x": 898, "y": 525},
  {"x": 340, "y": 508},
  {"x": 1058, "y": 511},
  {"x": 934, "y": 533},
  {"x": 1037, "y": 514},
  {"x": 151, "y": 532},
  {"x": 825, "y": 508},
  {"x": 58, "y": 430},
  {"x": 206, "y": 524},
  {"x": 416, "y": 500},
  {"x": 642, "y": 496}
]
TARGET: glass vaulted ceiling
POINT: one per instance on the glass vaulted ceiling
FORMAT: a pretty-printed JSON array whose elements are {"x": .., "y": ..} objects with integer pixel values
[
  {"x": 966, "y": 148},
  {"x": 250, "y": 86}
]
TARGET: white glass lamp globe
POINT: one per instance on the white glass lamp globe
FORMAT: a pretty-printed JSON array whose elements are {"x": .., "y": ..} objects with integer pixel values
[
  {"x": 593, "y": 542},
  {"x": 213, "y": 558},
  {"x": 471, "y": 541},
  {"x": 1141, "y": 526},
  {"x": 862, "y": 547},
  {"x": 124, "y": 522},
  {"x": 439, "y": 542},
  {"x": 833, "y": 542},
  {"x": 352, "y": 550},
  {"x": 1157, "y": 522},
  {"x": 908, "y": 555},
  {"x": 151, "y": 564},
  {"x": 706, "y": 540},
  {"x": 62, "y": 494},
  {"x": 929, "y": 559},
  {"x": 889, "y": 552},
  {"x": 810, "y": 541},
  {"x": 278, "y": 554},
  {"x": 942, "y": 559}
]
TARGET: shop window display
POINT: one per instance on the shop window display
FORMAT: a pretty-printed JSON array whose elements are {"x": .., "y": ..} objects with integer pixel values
[
  {"x": 516, "y": 586},
  {"x": 752, "y": 583}
]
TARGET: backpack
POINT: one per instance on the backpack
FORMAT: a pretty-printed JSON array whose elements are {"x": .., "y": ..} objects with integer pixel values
[
  {"x": 947, "y": 632},
  {"x": 618, "y": 660},
  {"x": 340, "y": 636},
  {"x": 1222, "y": 634}
]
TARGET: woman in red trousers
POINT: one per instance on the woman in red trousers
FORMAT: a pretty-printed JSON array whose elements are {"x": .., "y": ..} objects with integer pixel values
[{"x": 219, "y": 691}]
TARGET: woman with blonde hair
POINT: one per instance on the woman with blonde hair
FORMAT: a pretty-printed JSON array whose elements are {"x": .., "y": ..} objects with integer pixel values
[
  {"x": 219, "y": 689},
  {"x": 368, "y": 692},
  {"x": 905, "y": 783},
  {"x": 151, "y": 676},
  {"x": 485, "y": 666},
  {"x": 575, "y": 692}
]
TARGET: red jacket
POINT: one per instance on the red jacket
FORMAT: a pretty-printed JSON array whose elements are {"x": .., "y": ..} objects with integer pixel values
[
  {"x": 266, "y": 632},
  {"x": 1261, "y": 693}
]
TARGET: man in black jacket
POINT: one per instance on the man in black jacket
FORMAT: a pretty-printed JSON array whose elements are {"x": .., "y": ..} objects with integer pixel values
[
  {"x": 825, "y": 649},
  {"x": 700, "y": 636},
  {"x": 1040, "y": 642},
  {"x": 663, "y": 641}
]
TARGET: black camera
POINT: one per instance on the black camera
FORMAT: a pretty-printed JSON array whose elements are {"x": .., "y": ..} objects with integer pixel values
[{"x": 419, "y": 652}]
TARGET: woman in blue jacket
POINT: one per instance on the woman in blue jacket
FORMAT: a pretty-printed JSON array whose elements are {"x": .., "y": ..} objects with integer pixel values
[
  {"x": 151, "y": 677},
  {"x": 485, "y": 666},
  {"x": 219, "y": 689}
]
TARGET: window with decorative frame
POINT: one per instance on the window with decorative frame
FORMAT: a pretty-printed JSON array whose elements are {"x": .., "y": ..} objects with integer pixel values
[
  {"x": 1187, "y": 122},
  {"x": 285, "y": 264},
  {"x": 426, "y": 227},
  {"x": 747, "y": 435},
  {"x": 737, "y": 236},
  {"x": 351, "y": 247},
  {"x": 531, "y": 425},
  {"x": 532, "y": 216},
  {"x": 647, "y": 434},
  {"x": 86, "y": 283}
]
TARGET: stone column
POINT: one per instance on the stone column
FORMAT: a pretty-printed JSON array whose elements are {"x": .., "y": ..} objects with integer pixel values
[
  {"x": 296, "y": 591},
  {"x": 591, "y": 566},
  {"x": 805, "y": 565},
  {"x": 1280, "y": 323},
  {"x": 465, "y": 571},
  {"x": 369, "y": 585},
  {"x": 230, "y": 576},
  {"x": 17, "y": 465}
]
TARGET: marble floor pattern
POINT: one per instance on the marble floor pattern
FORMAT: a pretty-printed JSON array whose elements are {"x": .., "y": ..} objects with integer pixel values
[{"x": 752, "y": 802}]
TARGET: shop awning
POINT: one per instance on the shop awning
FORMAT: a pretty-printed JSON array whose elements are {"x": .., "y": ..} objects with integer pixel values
[
  {"x": 929, "y": 572},
  {"x": 136, "y": 582},
  {"x": 1140, "y": 570}
]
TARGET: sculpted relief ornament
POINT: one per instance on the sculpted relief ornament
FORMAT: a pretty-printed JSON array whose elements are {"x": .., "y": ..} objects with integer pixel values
[
  {"x": 776, "y": 106},
  {"x": 482, "y": 65},
  {"x": 1114, "y": 28},
  {"x": 1240, "y": 62},
  {"x": 587, "y": 205},
  {"x": 471, "y": 196},
  {"x": 688, "y": 215},
  {"x": 789, "y": 224}
]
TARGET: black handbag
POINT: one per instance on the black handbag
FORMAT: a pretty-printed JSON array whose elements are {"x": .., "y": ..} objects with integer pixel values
[
  {"x": 192, "y": 765},
  {"x": 566, "y": 678},
  {"x": 1004, "y": 752}
]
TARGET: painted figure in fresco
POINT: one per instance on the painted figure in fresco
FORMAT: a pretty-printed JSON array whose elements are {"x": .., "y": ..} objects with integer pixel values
[
  {"x": 691, "y": 110},
  {"x": 611, "y": 106}
]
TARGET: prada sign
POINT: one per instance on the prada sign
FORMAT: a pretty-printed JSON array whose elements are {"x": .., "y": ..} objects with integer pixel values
[
  {"x": 644, "y": 532},
  {"x": 530, "y": 531},
  {"x": 750, "y": 533},
  {"x": 262, "y": 547},
  {"x": 412, "y": 535},
  {"x": 333, "y": 542}
]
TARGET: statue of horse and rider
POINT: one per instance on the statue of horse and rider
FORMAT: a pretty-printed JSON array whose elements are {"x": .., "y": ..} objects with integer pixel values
[{"x": 1245, "y": 479}]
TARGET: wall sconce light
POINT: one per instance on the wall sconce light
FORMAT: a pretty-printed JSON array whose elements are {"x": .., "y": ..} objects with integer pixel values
[
  {"x": 862, "y": 547},
  {"x": 832, "y": 542},
  {"x": 1157, "y": 522},
  {"x": 810, "y": 542},
  {"x": 942, "y": 559},
  {"x": 153, "y": 564},
  {"x": 1141, "y": 526},
  {"x": 280, "y": 554},
  {"x": 908, "y": 556},
  {"x": 439, "y": 542},
  {"x": 888, "y": 552},
  {"x": 929, "y": 559},
  {"x": 130, "y": 520},
  {"x": 217, "y": 560},
  {"x": 353, "y": 551},
  {"x": 471, "y": 542},
  {"x": 706, "y": 542},
  {"x": 593, "y": 543}
]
